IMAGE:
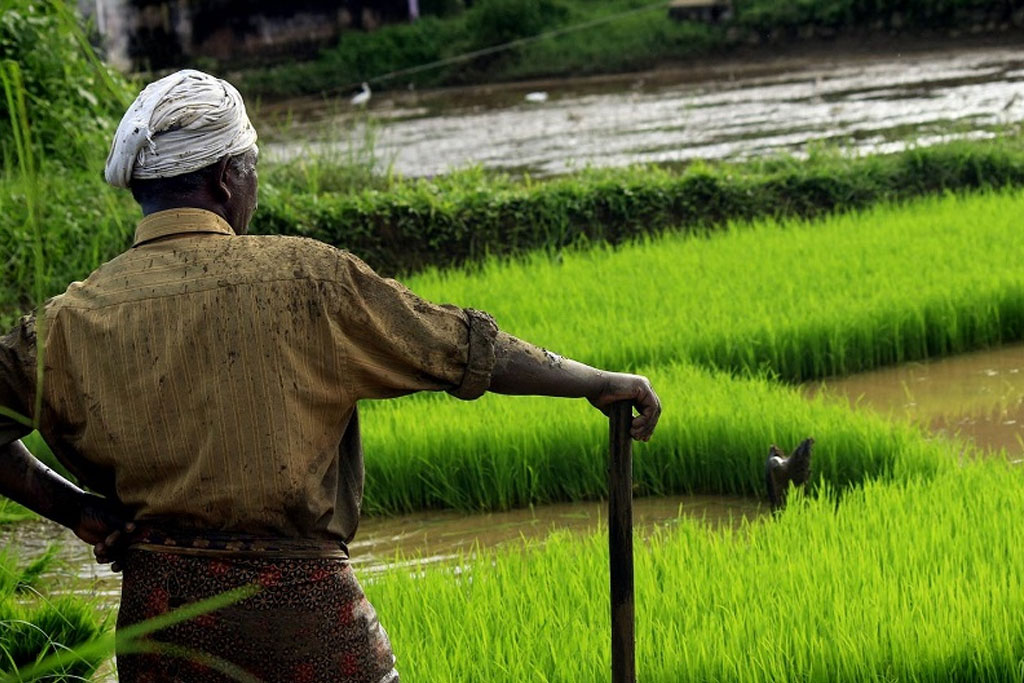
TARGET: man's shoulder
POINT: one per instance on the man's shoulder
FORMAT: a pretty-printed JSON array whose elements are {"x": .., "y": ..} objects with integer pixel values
[
  {"x": 286, "y": 256},
  {"x": 176, "y": 270}
]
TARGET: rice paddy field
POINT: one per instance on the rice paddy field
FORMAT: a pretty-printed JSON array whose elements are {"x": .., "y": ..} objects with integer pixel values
[
  {"x": 723, "y": 325},
  {"x": 805, "y": 300},
  {"x": 903, "y": 562}
]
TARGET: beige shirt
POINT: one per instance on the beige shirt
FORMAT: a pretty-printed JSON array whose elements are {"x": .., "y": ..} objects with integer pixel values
[{"x": 210, "y": 380}]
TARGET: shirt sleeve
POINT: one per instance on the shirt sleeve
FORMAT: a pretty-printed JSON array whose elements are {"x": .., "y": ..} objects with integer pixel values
[
  {"x": 17, "y": 354},
  {"x": 398, "y": 343}
]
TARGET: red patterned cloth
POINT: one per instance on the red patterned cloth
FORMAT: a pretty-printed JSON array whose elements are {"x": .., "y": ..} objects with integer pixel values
[{"x": 308, "y": 622}]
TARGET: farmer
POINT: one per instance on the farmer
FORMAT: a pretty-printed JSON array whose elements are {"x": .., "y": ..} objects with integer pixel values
[{"x": 204, "y": 385}]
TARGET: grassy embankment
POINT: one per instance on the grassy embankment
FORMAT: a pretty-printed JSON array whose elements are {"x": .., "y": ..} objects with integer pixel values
[
  {"x": 629, "y": 42},
  {"x": 467, "y": 216}
]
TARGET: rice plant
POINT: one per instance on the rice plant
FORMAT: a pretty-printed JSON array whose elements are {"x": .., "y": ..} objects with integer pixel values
[
  {"x": 501, "y": 452},
  {"x": 34, "y": 626},
  {"x": 915, "y": 580},
  {"x": 803, "y": 299}
]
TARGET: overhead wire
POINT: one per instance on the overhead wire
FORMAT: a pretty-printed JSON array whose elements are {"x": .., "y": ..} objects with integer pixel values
[{"x": 469, "y": 56}]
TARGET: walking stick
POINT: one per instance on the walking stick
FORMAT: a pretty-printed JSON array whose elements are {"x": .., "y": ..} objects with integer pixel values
[{"x": 620, "y": 543}]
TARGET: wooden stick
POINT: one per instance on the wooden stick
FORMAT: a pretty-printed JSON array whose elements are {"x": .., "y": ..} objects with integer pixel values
[{"x": 620, "y": 543}]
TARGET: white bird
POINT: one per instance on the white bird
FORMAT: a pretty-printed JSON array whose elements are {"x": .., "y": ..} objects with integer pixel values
[
  {"x": 361, "y": 98},
  {"x": 538, "y": 96}
]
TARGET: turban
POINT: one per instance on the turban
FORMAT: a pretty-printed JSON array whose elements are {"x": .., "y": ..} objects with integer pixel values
[{"x": 177, "y": 125}]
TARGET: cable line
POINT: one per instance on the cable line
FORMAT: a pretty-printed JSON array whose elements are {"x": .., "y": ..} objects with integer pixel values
[{"x": 468, "y": 56}]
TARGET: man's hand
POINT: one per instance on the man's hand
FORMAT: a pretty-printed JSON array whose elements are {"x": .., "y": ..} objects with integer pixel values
[
  {"x": 522, "y": 368},
  {"x": 106, "y": 527},
  {"x": 95, "y": 520},
  {"x": 622, "y": 387}
]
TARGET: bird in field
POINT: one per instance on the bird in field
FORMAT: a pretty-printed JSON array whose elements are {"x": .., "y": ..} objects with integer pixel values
[
  {"x": 362, "y": 97},
  {"x": 536, "y": 97},
  {"x": 780, "y": 470}
]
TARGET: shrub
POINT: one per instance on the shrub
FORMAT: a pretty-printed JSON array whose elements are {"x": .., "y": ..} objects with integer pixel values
[{"x": 73, "y": 100}]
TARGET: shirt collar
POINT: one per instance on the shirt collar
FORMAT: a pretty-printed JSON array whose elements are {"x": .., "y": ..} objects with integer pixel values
[{"x": 179, "y": 221}]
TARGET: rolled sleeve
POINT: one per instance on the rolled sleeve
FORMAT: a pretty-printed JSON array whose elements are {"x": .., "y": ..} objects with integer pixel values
[
  {"x": 480, "y": 356},
  {"x": 398, "y": 343},
  {"x": 17, "y": 351}
]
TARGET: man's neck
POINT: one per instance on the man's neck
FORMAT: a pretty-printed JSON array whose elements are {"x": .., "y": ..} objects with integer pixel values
[{"x": 183, "y": 203}]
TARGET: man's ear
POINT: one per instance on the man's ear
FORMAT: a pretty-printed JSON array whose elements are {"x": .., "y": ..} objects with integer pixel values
[{"x": 222, "y": 187}]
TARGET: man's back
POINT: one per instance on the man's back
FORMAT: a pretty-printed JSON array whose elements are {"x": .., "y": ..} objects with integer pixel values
[{"x": 213, "y": 376}]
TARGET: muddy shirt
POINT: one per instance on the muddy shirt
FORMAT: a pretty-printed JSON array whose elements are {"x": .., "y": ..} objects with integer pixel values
[{"x": 210, "y": 380}]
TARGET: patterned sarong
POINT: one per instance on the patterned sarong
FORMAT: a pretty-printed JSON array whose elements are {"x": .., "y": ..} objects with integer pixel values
[{"x": 308, "y": 621}]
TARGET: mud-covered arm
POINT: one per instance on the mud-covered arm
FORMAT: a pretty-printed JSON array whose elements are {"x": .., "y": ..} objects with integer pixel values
[
  {"x": 522, "y": 368},
  {"x": 95, "y": 520},
  {"x": 398, "y": 343}
]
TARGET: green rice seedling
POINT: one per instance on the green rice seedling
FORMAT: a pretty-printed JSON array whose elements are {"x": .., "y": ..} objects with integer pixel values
[
  {"x": 28, "y": 634},
  {"x": 915, "y": 580},
  {"x": 33, "y": 626},
  {"x": 15, "y": 578},
  {"x": 803, "y": 299},
  {"x": 11, "y": 512},
  {"x": 501, "y": 452},
  {"x": 35, "y": 657}
]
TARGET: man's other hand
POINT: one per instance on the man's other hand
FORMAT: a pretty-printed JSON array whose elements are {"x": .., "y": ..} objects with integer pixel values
[
  {"x": 623, "y": 387},
  {"x": 106, "y": 527}
]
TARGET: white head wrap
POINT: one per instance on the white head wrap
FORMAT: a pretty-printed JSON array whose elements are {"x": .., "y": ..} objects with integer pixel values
[{"x": 177, "y": 125}]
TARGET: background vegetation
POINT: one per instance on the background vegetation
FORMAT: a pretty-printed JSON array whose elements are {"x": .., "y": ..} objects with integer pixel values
[
  {"x": 73, "y": 98},
  {"x": 467, "y": 216},
  {"x": 638, "y": 34}
]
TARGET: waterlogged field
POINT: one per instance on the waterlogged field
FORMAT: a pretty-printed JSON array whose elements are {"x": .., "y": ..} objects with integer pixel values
[
  {"x": 904, "y": 562},
  {"x": 918, "y": 580}
]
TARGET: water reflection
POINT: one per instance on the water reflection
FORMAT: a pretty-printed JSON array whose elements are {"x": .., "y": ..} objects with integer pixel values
[{"x": 979, "y": 396}]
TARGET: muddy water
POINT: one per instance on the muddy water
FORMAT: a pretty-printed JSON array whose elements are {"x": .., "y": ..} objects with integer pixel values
[
  {"x": 979, "y": 396},
  {"x": 424, "y": 537},
  {"x": 866, "y": 103}
]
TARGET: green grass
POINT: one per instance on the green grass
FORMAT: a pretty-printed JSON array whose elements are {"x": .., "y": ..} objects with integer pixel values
[
  {"x": 34, "y": 625},
  {"x": 919, "y": 580},
  {"x": 502, "y": 452},
  {"x": 11, "y": 512},
  {"x": 804, "y": 300}
]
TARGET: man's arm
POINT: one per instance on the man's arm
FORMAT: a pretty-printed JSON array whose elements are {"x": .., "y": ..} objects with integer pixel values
[
  {"x": 93, "y": 519},
  {"x": 522, "y": 368}
]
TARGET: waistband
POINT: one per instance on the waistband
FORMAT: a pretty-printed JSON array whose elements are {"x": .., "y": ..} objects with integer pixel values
[{"x": 223, "y": 544}]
